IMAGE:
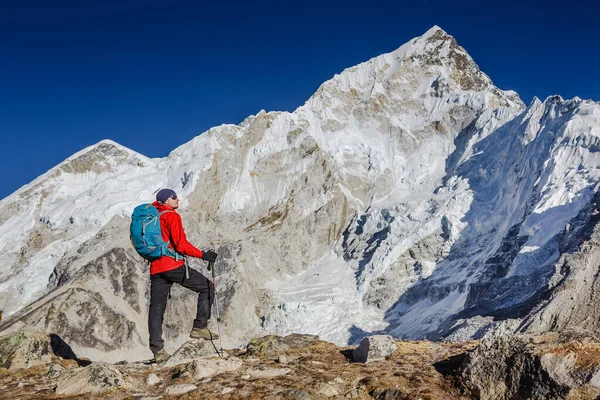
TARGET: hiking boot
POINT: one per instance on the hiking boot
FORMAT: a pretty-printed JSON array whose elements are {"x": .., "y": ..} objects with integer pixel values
[
  {"x": 203, "y": 333},
  {"x": 161, "y": 356}
]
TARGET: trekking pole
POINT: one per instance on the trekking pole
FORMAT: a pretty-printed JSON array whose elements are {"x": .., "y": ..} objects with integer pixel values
[{"x": 211, "y": 267}]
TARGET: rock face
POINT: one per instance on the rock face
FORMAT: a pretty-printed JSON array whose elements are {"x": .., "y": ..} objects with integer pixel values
[
  {"x": 408, "y": 196},
  {"x": 374, "y": 348}
]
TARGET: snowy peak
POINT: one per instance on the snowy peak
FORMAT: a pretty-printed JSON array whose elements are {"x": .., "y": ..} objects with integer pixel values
[
  {"x": 432, "y": 65},
  {"x": 433, "y": 31},
  {"x": 101, "y": 157}
]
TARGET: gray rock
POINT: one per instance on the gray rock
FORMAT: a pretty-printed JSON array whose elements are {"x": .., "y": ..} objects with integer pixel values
[
  {"x": 190, "y": 351},
  {"x": 506, "y": 368},
  {"x": 294, "y": 394},
  {"x": 374, "y": 348},
  {"x": 152, "y": 379},
  {"x": 353, "y": 394},
  {"x": 328, "y": 391},
  {"x": 24, "y": 349},
  {"x": 282, "y": 360},
  {"x": 55, "y": 370},
  {"x": 386, "y": 394},
  {"x": 272, "y": 344},
  {"x": 95, "y": 378},
  {"x": 261, "y": 373},
  {"x": 175, "y": 390},
  {"x": 595, "y": 379},
  {"x": 209, "y": 367}
]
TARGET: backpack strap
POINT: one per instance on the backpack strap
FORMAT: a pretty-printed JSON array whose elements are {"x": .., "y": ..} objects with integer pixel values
[{"x": 174, "y": 251}]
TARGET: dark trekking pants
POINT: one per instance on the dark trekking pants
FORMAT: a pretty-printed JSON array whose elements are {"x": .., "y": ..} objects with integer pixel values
[{"x": 160, "y": 287}]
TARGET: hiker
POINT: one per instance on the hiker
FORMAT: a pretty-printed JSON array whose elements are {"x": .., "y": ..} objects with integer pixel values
[{"x": 168, "y": 270}]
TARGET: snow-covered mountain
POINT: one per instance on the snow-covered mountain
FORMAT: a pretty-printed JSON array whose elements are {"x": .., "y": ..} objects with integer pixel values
[{"x": 408, "y": 195}]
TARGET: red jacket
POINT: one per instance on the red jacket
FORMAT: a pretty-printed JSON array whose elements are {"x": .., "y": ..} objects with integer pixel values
[{"x": 172, "y": 232}]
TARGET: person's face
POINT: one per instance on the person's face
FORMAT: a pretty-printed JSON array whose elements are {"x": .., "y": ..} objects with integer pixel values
[{"x": 173, "y": 201}]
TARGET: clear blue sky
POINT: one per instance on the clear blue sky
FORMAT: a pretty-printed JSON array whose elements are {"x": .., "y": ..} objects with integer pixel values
[{"x": 152, "y": 74}]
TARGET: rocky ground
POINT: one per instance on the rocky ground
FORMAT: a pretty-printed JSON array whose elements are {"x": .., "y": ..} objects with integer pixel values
[{"x": 550, "y": 366}]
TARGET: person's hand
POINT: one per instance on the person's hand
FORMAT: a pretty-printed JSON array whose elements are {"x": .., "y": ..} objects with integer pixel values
[{"x": 209, "y": 256}]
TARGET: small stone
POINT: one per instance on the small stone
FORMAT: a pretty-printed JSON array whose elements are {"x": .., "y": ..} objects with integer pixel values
[
  {"x": 246, "y": 377},
  {"x": 317, "y": 362},
  {"x": 227, "y": 390},
  {"x": 282, "y": 360},
  {"x": 267, "y": 372},
  {"x": 386, "y": 393},
  {"x": 209, "y": 367},
  {"x": 338, "y": 380},
  {"x": 294, "y": 394},
  {"x": 329, "y": 391},
  {"x": 206, "y": 380},
  {"x": 55, "y": 370},
  {"x": 20, "y": 384},
  {"x": 152, "y": 380},
  {"x": 175, "y": 390},
  {"x": 353, "y": 394}
]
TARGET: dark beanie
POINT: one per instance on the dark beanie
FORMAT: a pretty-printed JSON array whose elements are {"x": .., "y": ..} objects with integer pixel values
[{"x": 164, "y": 194}]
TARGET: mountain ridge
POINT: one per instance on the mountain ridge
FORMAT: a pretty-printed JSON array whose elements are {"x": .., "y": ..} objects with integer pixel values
[{"x": 394, "y": 200}]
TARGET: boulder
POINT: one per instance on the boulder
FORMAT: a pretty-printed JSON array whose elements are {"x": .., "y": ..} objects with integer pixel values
[
  {"x": 24, "y": 349},
  {"x": 374, "y": 348},
  {"x": 95, "y": 378},
  {"x": 152, "y": 379},
  {"x": 191, "y": 350},
  {"x": 508, "y": 367}
]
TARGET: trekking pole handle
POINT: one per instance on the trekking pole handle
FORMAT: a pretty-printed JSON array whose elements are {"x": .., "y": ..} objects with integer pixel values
[{"x": 211, "y": 267}]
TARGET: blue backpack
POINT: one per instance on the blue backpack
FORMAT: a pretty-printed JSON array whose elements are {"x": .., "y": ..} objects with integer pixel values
[{"x": 146, "y": 236}]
